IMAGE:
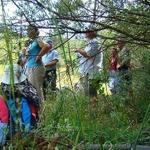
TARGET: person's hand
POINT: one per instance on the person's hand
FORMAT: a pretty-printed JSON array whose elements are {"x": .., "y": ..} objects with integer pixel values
[
  {"x": 118, "y": 66},
  {"x": 77, "y": 50},
  {"x": 38, "y": 59},
  {"x": 112, "y": 60},
  {"x": 24, "y": 51}
]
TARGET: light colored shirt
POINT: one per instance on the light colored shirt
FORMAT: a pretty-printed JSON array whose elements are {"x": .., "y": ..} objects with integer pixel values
[
  {"x": 82, "y": 64},
  {"x": 22, "y": 58},
  {"x": 91, "y": 66},
  {"x": 50, "y": 56}
]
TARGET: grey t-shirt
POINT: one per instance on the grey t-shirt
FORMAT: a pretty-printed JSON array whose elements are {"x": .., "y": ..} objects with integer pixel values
[{"x": 91, "y": 66}]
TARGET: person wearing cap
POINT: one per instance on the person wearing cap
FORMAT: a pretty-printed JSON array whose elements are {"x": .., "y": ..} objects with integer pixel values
[
  {"x": 90, "y": 64},
  {"x": 22, "y": 90},
  {"x": 50, "y": 61},
  {"x": 35, "y": 67}
]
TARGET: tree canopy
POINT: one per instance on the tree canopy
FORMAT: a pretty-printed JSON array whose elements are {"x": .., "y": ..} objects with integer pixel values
[{"x": 129, "y": 19}]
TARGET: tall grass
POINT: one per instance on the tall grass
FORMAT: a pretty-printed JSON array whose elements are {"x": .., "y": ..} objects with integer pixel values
[
  {"x": 8, "y": 44},
  {"x": 112, "y": 121}
]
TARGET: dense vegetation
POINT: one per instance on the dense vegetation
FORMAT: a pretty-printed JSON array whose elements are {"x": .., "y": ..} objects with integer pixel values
[{"x": 68, "y": 120}]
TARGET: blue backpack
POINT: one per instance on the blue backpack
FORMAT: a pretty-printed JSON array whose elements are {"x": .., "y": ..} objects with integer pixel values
[{"x": 25, "y": 115}]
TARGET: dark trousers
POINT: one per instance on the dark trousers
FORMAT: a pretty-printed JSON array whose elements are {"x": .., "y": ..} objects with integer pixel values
[
  {"x": 49, "y": 81},
  {"x": 125, "y": 79},
  {"x": 89, "y": 86}
]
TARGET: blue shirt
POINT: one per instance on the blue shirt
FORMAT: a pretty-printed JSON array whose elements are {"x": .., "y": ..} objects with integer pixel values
[
  {"x": 33, "y": 51},
  {"x": 50, "y": 56}
]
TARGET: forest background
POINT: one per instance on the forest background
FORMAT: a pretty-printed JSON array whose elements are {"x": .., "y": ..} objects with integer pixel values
[{"x": 116, "y": 119}]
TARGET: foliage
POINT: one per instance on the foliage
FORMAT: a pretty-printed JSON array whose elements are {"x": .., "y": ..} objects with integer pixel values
[
  {"x": 70, "y": 115},
  {"x": 115, "y": 119},
  {"x": 66, "y": 7}
]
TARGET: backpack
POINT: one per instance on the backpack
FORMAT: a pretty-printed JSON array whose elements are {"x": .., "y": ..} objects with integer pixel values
[
  {"x": 24, "y": 118},
  {"x": 4, "y": 112},
  {"x": 4, "y": 117}
]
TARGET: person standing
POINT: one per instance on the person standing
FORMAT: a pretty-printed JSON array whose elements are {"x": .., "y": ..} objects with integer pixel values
[
  {"x": 22, "y": 59},
  {"x": 90, "y": 60},
  {"x": 123, "y": 66},
  {"x": 36, "y": 50},
  {"x": 50, "y": 61},
  {"x": 113, "y": 80},
  {"x": 22, "y": 94}
]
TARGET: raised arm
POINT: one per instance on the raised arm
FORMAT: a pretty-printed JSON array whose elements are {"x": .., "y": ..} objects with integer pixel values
[
  {"x": 45, "y": 47},
  {"x": 83, "y": 53}
]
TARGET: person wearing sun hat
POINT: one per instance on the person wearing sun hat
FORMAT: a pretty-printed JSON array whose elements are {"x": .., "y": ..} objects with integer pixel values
[
  {"x": 23, "y": 91},
  {"x": 18, "y": 76},
  {"x": 21, "y": 85}
]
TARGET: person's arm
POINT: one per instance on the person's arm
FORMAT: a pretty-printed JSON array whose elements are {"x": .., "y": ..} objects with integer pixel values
[
  {"x": 52, "y": 63},
  {"x": 45, "y": 47},
  {"x": 113, "y": 58},
  {"x": 83, "y": 53},
  {"x": 93, "y": 50},
  {"x": 125, "y": 61},
  {"x": 125, "y": 58},
  {"x": 22, "y": 57},
  {"x": 54, "y": 59}
]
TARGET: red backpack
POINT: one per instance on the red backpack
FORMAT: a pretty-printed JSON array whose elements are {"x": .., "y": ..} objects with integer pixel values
[{"x": 4, "y": 112}]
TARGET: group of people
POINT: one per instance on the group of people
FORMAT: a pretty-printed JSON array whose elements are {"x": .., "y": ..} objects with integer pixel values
[
  {"x": 39, "y": 59},
  {"x": 36, "y": 68},
  {"x": 22, "y": 84},
  {"x": 91, "y": 65},
  {"x": 119, "y": 68}
]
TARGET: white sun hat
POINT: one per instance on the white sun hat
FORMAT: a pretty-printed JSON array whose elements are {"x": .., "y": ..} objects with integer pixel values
[{"x": 18, "y": 75}]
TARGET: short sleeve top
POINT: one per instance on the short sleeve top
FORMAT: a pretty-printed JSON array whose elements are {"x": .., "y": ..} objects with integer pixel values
[
  {"x": 33, "y": 52},
  {"x": 50, "y": 56}
]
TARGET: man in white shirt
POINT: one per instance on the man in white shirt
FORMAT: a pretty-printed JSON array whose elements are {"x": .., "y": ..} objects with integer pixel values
[{"x": 90, "y": 64}]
